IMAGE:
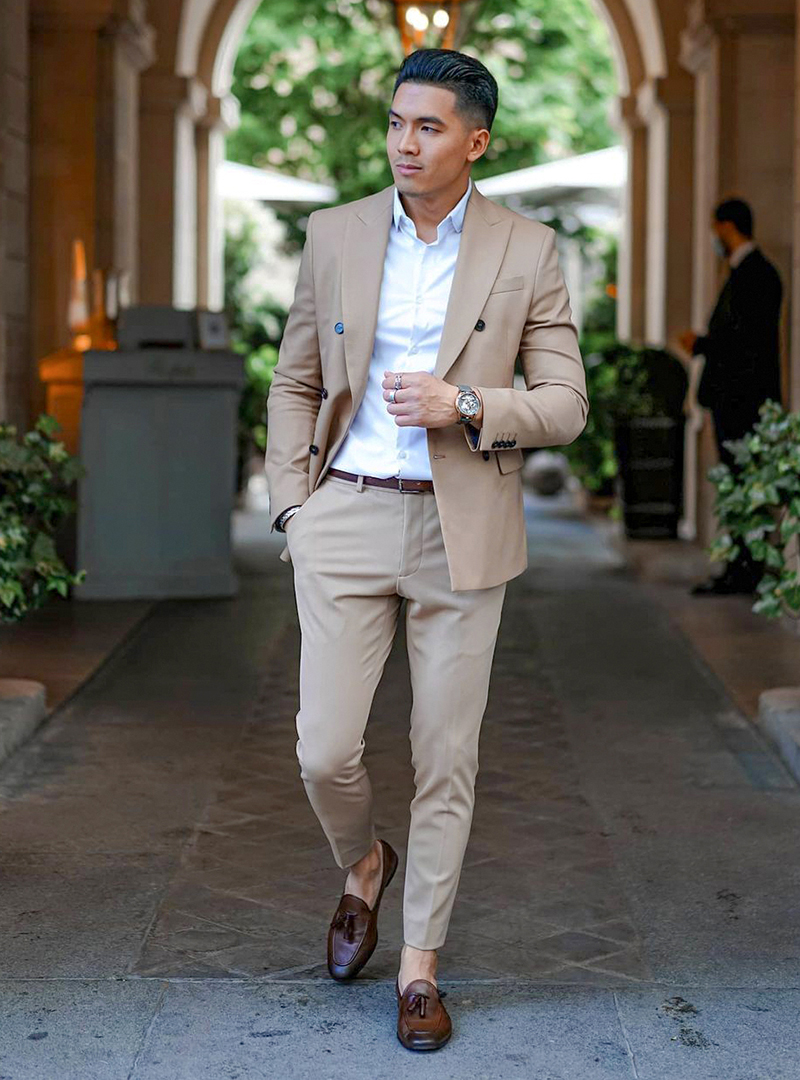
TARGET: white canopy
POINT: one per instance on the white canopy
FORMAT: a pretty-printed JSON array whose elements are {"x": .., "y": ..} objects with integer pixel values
[
  {"x": 238, "y": 181},
  {"x": 598, "y": 177}
]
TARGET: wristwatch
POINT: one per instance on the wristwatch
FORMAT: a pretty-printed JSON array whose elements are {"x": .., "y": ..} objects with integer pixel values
[
  {"x": 281, "y": 520},
  {"x": 468, "y": 404}
]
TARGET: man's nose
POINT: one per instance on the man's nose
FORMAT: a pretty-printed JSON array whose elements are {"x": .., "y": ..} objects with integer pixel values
[{"x": 408, "y": 142}]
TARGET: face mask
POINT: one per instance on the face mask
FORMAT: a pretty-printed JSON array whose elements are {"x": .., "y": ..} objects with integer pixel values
[{"x": 719, "y": 247}]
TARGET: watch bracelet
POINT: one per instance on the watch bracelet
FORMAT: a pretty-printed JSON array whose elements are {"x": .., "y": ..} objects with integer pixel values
[{"x": 284, "y": 516}]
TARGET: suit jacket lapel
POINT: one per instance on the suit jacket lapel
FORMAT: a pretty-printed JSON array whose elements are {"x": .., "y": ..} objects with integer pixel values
[
  {"x": 365, "y": 241},
  {"x": 484, "y": 239}
]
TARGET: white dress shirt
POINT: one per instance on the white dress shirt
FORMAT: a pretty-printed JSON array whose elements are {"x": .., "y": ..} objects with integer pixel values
[
  {"x": 415, "y": 289},
  {"x": 743, "y": 249}
]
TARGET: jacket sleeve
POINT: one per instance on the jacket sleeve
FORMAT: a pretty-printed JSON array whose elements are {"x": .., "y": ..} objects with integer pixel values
[
  {"x": 552, "y": 411},
  {"x": 294, "y": 395}
]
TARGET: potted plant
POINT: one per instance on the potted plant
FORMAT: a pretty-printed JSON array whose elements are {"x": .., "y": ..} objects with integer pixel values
[
  {"x": 760, "y": 507},
  {"x": 36, "y": 473}
]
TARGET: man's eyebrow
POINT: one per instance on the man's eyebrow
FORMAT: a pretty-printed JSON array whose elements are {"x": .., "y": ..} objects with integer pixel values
[{"x": 422, "y": 119}]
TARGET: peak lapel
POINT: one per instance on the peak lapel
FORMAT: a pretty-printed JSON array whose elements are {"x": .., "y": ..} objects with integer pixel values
[
  {"x": 484, "y": 239},
  {"x": 365, "y": 242}
]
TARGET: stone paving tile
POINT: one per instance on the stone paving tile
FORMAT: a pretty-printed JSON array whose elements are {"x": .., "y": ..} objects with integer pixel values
[
  {"x": 319, "y": 1031},
  {"x": 694, "y": 1034},
  {"x": 69, "y": 918},
  {"x": 538, "y": 865},
  {"x": 74, "y": 1030}
]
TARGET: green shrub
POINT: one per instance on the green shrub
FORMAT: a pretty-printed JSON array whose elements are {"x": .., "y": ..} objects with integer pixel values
[
  {"x": 35, "y": 475},
  {"x": 759, "y": 507},
  {"x": 617, "y": 387}
]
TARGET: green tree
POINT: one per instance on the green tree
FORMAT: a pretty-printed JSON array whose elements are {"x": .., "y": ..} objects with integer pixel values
[{"x": 314, "y": 87}]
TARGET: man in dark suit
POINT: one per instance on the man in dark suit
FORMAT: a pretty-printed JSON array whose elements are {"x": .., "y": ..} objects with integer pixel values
[{"x": 742, "y": 358}]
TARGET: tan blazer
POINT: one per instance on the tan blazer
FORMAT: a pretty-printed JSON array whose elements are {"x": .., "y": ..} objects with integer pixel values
[{"x": 508, "y": 298}]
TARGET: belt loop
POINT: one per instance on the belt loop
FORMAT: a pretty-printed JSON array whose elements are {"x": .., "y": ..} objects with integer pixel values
[{"x": 360, "y": 482}]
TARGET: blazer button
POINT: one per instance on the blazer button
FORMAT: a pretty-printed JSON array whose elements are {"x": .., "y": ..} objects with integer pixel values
[
  {"x": 324, "y": 392},
  {"x": 339, "y": 328},
  {"x": 314, "y": 449},
  {"x": 485, "y": 455},
  {"x": 480, "y": 325},
  {"x": 513, "y": 442},
  {"x": 495, "y": 444}
]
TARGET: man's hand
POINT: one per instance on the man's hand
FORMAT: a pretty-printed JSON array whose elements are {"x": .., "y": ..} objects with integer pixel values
[
  {"x": 687, "y": 340},
  {"x": 423, "y": 401}
]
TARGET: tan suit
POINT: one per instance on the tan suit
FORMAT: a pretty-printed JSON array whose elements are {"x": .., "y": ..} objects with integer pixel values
[
  {"x": 359, "y": 551},
  {"x": 508, "y": 276}
]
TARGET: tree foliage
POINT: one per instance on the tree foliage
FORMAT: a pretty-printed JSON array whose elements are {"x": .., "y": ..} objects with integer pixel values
[{"x": 315, "y": 82}]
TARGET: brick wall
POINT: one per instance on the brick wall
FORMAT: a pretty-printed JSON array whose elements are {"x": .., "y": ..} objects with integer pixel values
[{"x": 15, "y": 361}]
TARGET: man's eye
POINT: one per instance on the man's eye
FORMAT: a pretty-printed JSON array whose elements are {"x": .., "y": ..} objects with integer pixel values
[{"x": 426, "y": 128}]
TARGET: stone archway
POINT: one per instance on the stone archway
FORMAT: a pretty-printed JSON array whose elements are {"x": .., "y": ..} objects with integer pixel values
[{"x": 203, "y": 44}]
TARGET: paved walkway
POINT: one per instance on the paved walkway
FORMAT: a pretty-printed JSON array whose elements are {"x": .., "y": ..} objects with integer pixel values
[{"x": 628, "y": 908}]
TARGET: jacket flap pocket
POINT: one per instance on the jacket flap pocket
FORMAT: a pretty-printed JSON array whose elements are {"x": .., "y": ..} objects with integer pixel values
[
  {"x": 508, "y": 284},
  {"x": 509, "y": 460}
]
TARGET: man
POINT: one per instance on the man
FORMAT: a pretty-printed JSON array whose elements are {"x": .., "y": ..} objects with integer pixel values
[
  {"x": 742, "y": 359},
  {"x": 393, "y": 461}
]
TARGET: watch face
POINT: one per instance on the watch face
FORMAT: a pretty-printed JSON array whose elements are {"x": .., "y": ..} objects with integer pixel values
[{"x": 468, "y": 403}]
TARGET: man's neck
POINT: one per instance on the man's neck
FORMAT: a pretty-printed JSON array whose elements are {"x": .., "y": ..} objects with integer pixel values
[
  {"x": 733, "y": 258},
  {"x": 428, "y": 211}
]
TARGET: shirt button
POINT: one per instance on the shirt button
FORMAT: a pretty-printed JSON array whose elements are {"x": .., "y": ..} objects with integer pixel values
[
  {"x": 402, "y": 454},
  {"x": 413, "y": 350}
]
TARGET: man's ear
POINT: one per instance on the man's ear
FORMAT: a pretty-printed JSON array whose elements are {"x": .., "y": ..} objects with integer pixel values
[{"x": 479, "y": 143}]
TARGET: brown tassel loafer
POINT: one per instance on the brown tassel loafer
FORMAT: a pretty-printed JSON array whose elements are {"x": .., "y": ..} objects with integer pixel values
[
  {"x": 353, "y": 933},
  {"x": 422, "y": 1021}
]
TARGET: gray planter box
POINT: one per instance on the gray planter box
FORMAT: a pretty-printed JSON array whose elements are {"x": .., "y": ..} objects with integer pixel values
[{"x": 158, "y": 441}]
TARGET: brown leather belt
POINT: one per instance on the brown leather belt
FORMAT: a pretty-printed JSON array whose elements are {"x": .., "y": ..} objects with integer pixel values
[{"x": 398, "y": 483}]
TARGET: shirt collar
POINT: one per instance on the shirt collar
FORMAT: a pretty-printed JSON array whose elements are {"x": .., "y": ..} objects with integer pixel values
[
  {"x": 741, "y": 252},
  {"x": 455, "y": 217}
]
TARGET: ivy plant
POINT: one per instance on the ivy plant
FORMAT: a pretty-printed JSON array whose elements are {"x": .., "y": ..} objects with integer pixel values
[
  {"x": 36, "y": 472},
  {"x": 759, "y": 507}
]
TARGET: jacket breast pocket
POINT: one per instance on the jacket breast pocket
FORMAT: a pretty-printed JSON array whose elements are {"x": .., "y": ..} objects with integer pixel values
[
  {"x": 509, "y": 460},
  {"x": 507, "y": 284}
]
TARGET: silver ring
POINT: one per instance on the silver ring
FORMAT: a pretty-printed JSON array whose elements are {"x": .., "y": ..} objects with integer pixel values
[
  {"x": 398, "y": 382},
  {"x": 391, "y": 396}
]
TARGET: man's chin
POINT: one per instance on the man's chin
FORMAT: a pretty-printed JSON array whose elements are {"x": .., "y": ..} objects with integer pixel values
[{"x": 412, "y": 183}]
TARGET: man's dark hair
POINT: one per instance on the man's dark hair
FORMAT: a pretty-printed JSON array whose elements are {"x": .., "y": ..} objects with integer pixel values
[
  {"x": 473, "y": 84},
  {"x": 737, "y": 211}
]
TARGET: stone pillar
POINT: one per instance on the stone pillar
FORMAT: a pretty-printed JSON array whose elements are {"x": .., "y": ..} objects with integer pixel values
[
  {"x": 742, "y": 58},
  {"x": 793, "y": 388},
  {"x": 222, "y": 116},
  {"x": 14, "y": 268},
  {"x": 632, "y": 250},
  {"x": 666, "y": 107},
  {"x": 84, "y": 78},
  {"x": 171, "y": 107}
]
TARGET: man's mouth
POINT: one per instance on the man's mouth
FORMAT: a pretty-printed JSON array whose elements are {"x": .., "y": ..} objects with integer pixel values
[{"x": 405, "y": 167}]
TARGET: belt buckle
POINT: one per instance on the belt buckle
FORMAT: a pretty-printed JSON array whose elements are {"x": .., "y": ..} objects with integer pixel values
[{"x": 408, "y": 490}]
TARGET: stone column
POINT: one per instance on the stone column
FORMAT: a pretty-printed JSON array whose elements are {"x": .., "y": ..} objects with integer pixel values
[
  {"x": 14, "y": 148},
  {"x": 222, "y": 116},
  {"x": 793, "y": 387},
  {"x": 666, "y": 107},
  {"x": 742, "y": 58},
  {"x": 85, "y": 65},
  {"x": 632, "y": 250},
  {"x": 171, "y": 107}
]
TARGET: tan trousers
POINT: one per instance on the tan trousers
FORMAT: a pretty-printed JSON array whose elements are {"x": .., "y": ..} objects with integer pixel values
[{"x": 357, "y": 550}]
